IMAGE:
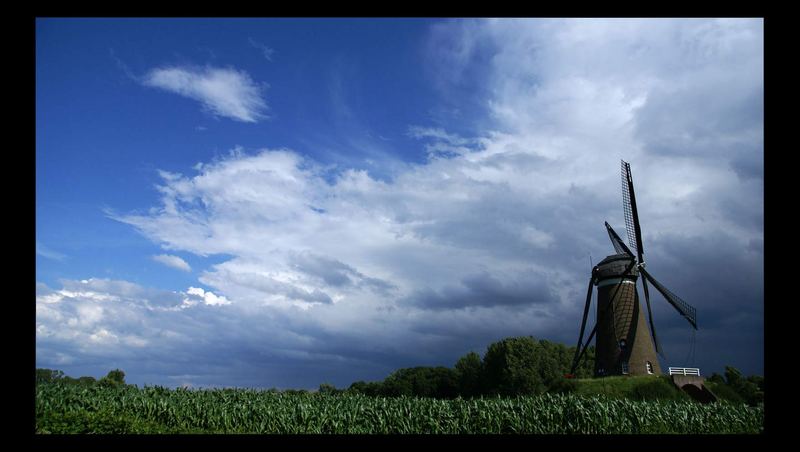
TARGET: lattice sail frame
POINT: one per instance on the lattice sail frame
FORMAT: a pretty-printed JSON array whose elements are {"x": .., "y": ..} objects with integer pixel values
[
  {"x": 626, "y": 206},
  {"x": 685, "y": 309},
  {"x": 616, "y": 241}
]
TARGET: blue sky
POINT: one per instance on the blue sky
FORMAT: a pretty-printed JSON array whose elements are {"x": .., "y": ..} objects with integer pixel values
[
  {"x": 284, "y": 202},
  {"x": 326, "y": 93}
]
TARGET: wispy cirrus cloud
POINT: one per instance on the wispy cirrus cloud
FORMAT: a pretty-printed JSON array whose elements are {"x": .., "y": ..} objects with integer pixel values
[
  {"x": 222, "y": 91},
  {"x": 267, "y": 52},
  {"x": 173, "y": 261},
  {"x": 44, "y": 251}
]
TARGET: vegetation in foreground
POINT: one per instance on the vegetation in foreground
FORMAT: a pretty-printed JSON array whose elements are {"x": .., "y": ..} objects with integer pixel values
[
  {"x": 64, "y": 408},
  {"x": 517, "y": 387}
]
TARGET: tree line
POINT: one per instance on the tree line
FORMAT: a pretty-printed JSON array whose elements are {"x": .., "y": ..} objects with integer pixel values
[
  {"x": 526, "y": 366},
  {"x": 735, "y": 387},
  {"x": 510, "y": 367},
  {"x": 114, "y": 378}
]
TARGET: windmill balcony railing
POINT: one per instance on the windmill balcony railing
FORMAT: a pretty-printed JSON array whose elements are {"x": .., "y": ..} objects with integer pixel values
[{"x": 684, "y": 371}]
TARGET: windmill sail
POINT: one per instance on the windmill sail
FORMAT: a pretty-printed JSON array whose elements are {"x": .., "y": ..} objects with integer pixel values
[
  {"x": 659, "y": 350},
  {"x": 634, "y": 231},
  {"x": 631, "y": 215},
  {"x": 583, "y": 325},
  {"x": 619, "y": 245},
  {"x": 686, "y": 310}
]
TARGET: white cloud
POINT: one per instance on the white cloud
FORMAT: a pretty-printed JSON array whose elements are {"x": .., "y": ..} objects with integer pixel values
[
  {"x": 44, "y": 251},
  {"x": 682, "y": 100},
  {"x": 490, "y": 237},
  {"x": 121, "y": 316},
  {"x": 103, "y": 337},
  {"x": 172, "y": 261},
  {"x": 222, "y": 91},
  {"x": 438, "y": 133},
  {"x": 421, "y": 229},
  {"x": 205, "y": 297}
]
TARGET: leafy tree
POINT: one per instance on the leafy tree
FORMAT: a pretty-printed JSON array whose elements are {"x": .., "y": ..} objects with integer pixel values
[
  {"x": 586, "y": 366},
  {"x": 553, "y": 361},
  {"x": 514, "y": 366},
  {"x": 724, "y": 392},
  {"x": 523, "y": 365},
  {"x": 327, "y": 388},
  {"x": 732, "y": 376},
  {"x": 747, "y": 388},
  {"x": 114, "y": 378},
  {"x": 716, "y": 378},
  {"x": 438, "y": 382},
  {"x": 469, "y": 371},
  {"x": 48, "y": 375},
  {"x": 372, "y": 388},
  {"x": 87, "y": 381},
  {"x": 757, "y": 380},
  {"x": 395, "y": 386},
  {"x": 295, "y": 391},
  {"x": 734, "y": 387}
]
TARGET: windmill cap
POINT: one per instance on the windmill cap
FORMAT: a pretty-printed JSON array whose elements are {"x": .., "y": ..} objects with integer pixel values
[
  {"x": 616, "y": 257},
  {"x": 614, "y": 266}
]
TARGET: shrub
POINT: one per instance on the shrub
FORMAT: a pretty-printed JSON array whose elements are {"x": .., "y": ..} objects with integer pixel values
[
  {"x": 562, "y": 386},
  {"x": 48, "y": 375},
  {"x": 371, "y": 388},
  {"x": 114, "y": 378},
  {"x": 329, "y": 389},
  {"x": 724, "y": 392},
  {"x": 439, "y": 382}
]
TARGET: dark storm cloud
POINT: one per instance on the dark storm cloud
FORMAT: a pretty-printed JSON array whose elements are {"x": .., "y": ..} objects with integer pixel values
[
  {"x": 719, "y": 273},
  {"x": 336, "y": 273},
  {"x": 484, "y": 289}
]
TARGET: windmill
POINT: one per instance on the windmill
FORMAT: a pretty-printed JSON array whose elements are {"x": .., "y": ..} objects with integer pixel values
[{"x": 623, "y": 346}]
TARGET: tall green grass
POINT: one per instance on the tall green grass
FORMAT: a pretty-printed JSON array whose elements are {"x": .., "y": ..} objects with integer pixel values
[{"x": 73, "y": 409}]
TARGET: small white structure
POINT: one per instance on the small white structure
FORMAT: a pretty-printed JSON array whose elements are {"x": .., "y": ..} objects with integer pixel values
[{"x": 684, "y": 371}]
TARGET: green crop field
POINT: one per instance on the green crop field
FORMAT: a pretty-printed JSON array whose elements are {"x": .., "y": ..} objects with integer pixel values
[{"x": 74, "y": 409}]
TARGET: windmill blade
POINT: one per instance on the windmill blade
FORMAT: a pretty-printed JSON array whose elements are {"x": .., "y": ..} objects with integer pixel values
[
  {"x": 583, "y": 323},
  {"x": 686, "y": 310},
  {"x": 650, "y": 317},
  {"x": 631, "y": 213},
  {"x": 583, "y": 351},
  {"x": 619, "y": 245}
]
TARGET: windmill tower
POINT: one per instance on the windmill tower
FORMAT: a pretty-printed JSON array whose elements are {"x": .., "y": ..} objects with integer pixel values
[{"x": 624, "y": 346}]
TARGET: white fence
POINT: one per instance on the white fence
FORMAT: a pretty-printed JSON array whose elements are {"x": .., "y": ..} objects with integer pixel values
[{"x": 684, "y": 371}]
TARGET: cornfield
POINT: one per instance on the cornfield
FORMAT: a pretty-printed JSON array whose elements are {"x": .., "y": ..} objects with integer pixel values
[{"x": 74, "y": 409}]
